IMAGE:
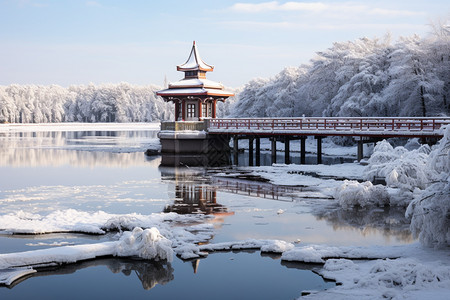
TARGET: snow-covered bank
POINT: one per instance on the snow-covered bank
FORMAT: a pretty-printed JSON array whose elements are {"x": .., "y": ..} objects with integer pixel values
[
  {"x": 418, "y": 179},
  {"x": 194, "y": 229},
  {"x": 403, "y": 272},
  {"x": 143, "y": 243}
]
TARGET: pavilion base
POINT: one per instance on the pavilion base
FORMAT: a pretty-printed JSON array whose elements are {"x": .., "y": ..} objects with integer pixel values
[{"x": 194, "y": 149}]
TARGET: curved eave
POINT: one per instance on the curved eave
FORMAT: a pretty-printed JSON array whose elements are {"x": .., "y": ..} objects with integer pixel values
[
  {"x": 196, "y": 68},
  {"x": 193, "y": 92},
  {"x": 196, "y": 83}
]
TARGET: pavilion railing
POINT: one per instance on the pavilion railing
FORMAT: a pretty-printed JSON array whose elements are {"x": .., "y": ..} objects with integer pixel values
[{"x": 183, "y": 126}]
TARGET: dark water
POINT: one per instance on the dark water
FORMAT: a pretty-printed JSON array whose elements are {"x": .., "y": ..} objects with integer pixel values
[
  {"x": 223, "y": 275},
  {"x": 97, "y": 170}
]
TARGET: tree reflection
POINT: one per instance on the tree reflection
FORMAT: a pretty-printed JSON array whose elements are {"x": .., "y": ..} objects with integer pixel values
[
  {"x": 389, "y": 221},
  {"x": 81, "y": 148},
  {"x": 150, "y": 273}
]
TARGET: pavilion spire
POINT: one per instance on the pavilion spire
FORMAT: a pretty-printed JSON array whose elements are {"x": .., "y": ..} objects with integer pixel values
[{"x": 195, "y": 62}]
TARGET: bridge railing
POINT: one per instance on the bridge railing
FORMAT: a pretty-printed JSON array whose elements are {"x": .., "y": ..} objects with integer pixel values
[{"x": 327, "y": 124}]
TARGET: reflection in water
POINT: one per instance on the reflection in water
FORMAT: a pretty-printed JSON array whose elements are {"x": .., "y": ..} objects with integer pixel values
[
  {"x": 389, "y": 221},
  {"x": 82, "y": 148},
  {"x": 214, "y": 159},
  {"x": 150, "y": 273},
  {"x": 196, "y": 192},
  {"x": 259, "y": 189},
  {"x": 193, "y": 192}
]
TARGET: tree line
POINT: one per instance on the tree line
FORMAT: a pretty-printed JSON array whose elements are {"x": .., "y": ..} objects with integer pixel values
[
  {"x": 121, "y": 102},
  {"x": 362, "y": 78}
]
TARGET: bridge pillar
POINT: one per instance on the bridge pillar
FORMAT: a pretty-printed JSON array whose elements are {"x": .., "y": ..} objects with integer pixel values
[
  {"x": 287, "y": 142},
  {"x": 303, "y": 150},
  {"x": 274, "y": 150},
  {"x": 235, "y": 149},
  {"x": 250, "y": 151},
  {"x": 258, "y": 152},
  {"x": 319, "y": 149},
  {"x": 360, "y": 150}
]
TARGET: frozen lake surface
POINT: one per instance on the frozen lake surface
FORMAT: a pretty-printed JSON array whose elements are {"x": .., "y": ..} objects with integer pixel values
[{"x": 96, "y": 168}]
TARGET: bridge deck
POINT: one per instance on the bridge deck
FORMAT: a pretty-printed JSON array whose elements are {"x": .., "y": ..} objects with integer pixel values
[{"x": 370, "y": 127}]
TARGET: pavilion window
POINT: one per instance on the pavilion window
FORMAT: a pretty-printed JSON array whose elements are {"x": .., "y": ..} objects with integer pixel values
[
  {"x": 204, "y": 111},
  {"x": 191, "y": 110}
]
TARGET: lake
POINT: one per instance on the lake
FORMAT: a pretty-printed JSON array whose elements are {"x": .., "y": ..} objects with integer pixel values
[{"x": 101, "y": 167}]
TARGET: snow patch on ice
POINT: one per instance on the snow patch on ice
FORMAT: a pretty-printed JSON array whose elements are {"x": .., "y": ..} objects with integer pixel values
[
  {"x": 272, "y": 246},
  {"x": 320, "y": 253}
]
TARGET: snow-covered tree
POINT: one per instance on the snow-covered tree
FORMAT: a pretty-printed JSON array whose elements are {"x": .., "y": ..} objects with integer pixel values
[
  {"x": 367, "y": 77},
  {"x": 92, "y": 103}
]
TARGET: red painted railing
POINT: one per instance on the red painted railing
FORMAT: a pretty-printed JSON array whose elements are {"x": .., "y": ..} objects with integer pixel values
[{"x": 339, "y": 126}]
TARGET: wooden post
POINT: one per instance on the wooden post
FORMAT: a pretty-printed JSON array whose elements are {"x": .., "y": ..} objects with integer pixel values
[
  {"x": 183, "y": 110},
  {"x": 302, "y": 150},
  {"x": 360, "y": 150},
  {"x": 200, "y": 109},
  {"x": 287, "y": 150},
  {"x": 236, "y": 149},
  {"x": 177, "y": 110},
  {"x": 274, "y": 150},
  {"x": 213, "y": 108},
  {"x": 319, "y": 150},
  {"x": 250, "y": 151},
  {"x": 258, "y": 152}
]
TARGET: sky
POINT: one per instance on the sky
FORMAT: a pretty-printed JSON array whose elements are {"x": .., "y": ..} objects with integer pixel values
[{"x": 69, "y": 42}]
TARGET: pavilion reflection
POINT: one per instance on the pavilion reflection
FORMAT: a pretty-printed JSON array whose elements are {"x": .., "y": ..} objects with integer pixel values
[{"x": 193, "y": 192}]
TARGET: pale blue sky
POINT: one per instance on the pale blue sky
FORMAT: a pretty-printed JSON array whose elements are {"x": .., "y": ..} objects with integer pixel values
[{"x": 140, "y": 42}]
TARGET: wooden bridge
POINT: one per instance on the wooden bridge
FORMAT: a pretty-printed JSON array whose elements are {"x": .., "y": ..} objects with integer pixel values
[
  {"x": 361, "y": 127},
  {"x": 363, "y": 130}
]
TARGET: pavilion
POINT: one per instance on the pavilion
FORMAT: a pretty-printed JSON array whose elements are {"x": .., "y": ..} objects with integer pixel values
[{"x": 194, "y": 96}]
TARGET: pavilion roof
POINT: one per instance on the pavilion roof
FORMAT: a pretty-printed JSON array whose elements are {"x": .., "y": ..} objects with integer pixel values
[
  {"x": 194, "y": 91},
  {"x": 194, "y": 62},
  {"x": 195, "y": 82}
]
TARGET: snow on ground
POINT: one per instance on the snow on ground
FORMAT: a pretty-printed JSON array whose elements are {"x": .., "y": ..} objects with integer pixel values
[
  {"x": 162, "y": 237},
  {"x": 404, "y": 272},
  {"x": 321, "y": 180}
]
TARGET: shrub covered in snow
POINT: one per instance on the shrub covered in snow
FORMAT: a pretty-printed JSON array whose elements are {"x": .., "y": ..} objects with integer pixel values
[
  {"x": 145, "y": 243},
  {"x": 430, "y": 209},
  {"x": 352, "y": 193},
  {"x": 400, "y": 168},
  {"x": 421, "y": 181}
]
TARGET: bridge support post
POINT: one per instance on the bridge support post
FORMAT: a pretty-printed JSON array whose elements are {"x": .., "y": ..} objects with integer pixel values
[
  {"x": 274, "y": 150},
  {"x": 235, "y": 149},
  {"x": 258, "y": 152},
  {"x": 360, "y": 150},
  {"x": 319, "y": 149},
  {"x": 303, "y": 150},
  {"x": 287, "y": 153},
  {"x": 250, "y": 151}
]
